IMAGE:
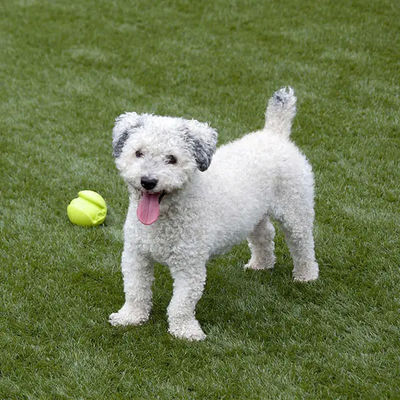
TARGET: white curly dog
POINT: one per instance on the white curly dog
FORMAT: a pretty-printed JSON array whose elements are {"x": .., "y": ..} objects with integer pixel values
[{"x": 184, "y": 209}]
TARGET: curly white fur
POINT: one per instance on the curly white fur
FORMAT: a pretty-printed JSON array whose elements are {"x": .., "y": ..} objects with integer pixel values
[{"x": 260, "y": 176}]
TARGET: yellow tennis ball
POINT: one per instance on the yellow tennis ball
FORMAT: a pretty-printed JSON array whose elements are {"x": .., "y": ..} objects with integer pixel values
[{"x": 88, "y": 209}]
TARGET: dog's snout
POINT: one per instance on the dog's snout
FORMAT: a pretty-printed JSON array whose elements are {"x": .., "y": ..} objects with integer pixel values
[{"x": 148, "y": 183}]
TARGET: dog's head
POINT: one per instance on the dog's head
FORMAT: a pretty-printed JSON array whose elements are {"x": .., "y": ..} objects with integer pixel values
[{"x": 157, "y": 156}]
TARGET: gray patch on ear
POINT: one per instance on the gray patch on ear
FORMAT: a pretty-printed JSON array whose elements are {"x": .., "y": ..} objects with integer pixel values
[
  {"x": 203, "y": 148},
  {"x": 119, "y": 144},
  {"x": 117, "y": 148}
]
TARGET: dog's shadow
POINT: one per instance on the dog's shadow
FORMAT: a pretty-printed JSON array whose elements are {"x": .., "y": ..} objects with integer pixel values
[{"x": 237, "y": 300}]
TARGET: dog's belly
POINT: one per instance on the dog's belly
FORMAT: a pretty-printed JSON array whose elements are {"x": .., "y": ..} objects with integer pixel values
[
  {"x": 225, "y": 244},
  {"x": 167, "y": 242},
  {"x": 232, "y": 228}
]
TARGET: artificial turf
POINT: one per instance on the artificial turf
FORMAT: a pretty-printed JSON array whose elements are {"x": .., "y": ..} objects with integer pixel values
[{"x": 67, "y": 69}]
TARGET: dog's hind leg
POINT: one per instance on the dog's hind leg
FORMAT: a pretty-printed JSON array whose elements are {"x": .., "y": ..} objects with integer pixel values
[
  {"x": 261, "y": 243},
  {"x": 298, "y": 229}
]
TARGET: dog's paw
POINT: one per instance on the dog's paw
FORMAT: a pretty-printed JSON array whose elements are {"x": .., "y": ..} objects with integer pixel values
[
  {"x": 128, "y": 316},
  {"x": 254, "y": 266},
  {"x": 307, "y": 273},
  {"x": 259, "y": 266},
  {"x": 189, "y": 330}
]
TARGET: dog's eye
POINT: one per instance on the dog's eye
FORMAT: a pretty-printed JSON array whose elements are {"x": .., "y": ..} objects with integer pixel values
[
  {"x": 139, "y": 154},
  {"x": 171, "y": 159}
]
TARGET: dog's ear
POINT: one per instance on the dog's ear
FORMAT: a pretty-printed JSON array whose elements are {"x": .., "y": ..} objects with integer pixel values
[
  {"x": 124, "y": 125},
  {"x": 202, "y": 142}
]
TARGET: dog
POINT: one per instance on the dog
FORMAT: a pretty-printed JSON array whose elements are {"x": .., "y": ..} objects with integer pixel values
[{"x": 184, "y": 209}]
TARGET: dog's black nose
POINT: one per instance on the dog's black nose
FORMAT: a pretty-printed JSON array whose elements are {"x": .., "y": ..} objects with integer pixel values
[{"x": 148, "y": 183}]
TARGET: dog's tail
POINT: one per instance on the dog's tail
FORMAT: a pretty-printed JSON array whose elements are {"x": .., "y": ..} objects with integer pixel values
[{"x": 281, "y": 111}]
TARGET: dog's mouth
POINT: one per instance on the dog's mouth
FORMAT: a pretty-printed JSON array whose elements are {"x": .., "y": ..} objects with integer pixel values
[{"x": 148, "y": 209}]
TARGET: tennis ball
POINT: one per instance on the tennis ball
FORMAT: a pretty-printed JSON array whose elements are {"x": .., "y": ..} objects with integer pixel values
[{"x": 88, "y": 209}]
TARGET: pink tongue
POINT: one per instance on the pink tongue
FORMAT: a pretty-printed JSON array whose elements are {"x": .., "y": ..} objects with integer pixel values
[{"x": 148, "y": 209}]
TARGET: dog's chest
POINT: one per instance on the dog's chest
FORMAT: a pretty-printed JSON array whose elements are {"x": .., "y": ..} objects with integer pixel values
[{"x": 162, "y": 241}]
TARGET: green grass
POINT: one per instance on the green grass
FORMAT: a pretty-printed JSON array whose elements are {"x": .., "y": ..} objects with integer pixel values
[{"x": 69, "y": 68}]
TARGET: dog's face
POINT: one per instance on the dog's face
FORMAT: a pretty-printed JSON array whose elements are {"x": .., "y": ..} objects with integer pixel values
[{"x": 157, "y": 156}]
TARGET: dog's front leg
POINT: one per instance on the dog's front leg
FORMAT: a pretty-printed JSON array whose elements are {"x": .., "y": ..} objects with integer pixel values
[
  {"x": 138, "y": 273},
  {"x": 189, "y": 281}
]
